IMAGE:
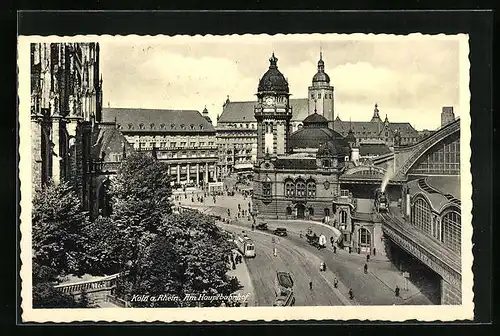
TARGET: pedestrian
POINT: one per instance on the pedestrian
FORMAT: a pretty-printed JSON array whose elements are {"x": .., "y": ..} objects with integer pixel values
[
  {"x": 310, "y": 285},
  {"x": 331, "y": 241},
  {"x": 350, "y": 249},
  {"x": 253, "y": 227},
  {"x": 335, "y": 283},
  {"x": 374, "y": 251},
  {"x": 366, "y": 268},
  {"x": 334, "y": 249},
  {"x": 275, "y": 251},
  {"x": 367, "y": 258},
  {"x": 351, "y": 294},
  {"x": 396, "y": 291}
]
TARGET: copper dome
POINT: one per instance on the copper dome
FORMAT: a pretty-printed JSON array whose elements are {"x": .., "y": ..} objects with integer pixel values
[{"x": 273, "y": 80}]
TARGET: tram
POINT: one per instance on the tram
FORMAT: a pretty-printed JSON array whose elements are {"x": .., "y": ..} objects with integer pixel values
[{"x": 245, "y": 246}]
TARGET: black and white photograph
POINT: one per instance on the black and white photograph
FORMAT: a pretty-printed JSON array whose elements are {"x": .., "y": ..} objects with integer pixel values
[{"x": 245, "y": 177}]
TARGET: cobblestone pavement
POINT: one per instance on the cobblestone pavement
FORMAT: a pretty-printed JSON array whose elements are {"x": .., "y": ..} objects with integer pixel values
[
  {"x": 374, "y": 288},
  {"x": 303, "y": 266}
]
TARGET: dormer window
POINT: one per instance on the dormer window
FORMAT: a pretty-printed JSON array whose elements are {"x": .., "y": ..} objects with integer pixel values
[
  {"x": 130, "y": 126},
  {"x": 183, "y": 126},
  {"x": 141, "y": 126},
  {"x": 162, "y": 126},
  {"x": 172, "y": 126},
  {"x": 118, "y": 126},
  {"x": 201, "y": 126},
  {"x": 152, "y": 126},
  {"x": 191, "y": 126}
]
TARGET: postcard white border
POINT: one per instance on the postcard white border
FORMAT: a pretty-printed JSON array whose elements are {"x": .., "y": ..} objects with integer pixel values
[{"x": 372, "y": 313}]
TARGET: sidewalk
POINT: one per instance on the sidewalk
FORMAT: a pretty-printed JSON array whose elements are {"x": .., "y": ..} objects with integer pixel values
[
  {"x": 241, "y": 272},
  {"x": 390, "y": 278}
]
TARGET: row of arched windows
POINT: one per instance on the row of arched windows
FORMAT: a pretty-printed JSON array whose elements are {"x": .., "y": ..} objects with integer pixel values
[
  {"x": 446, "y": 228},
  {"x": 300, "y": 188}
]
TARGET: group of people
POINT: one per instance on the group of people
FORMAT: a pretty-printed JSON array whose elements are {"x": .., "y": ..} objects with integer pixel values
[{"x": 235, "y": 259}]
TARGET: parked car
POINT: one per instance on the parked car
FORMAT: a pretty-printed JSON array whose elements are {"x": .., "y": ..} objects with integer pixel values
[
  {"x": 280, "y": 232},
  {"x": 262, "y": 226}
]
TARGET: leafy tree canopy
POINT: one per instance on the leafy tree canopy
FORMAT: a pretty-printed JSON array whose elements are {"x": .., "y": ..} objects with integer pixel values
[{"x": 57, "y": 223}]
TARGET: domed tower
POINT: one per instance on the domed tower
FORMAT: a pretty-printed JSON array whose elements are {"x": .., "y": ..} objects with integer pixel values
[
  {"x": 205, "y": 114},
  {"x": 272, "y": 112},
  {"x": 321, "y": 93}
]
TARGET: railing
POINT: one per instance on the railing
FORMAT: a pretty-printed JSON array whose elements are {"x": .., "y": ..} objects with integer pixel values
[
  {"x": 103, "y": 283},
  {"x": 117, "y": 301}
]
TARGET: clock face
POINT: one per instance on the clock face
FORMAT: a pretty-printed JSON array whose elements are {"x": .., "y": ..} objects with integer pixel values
[
  {"x": 326, "y": 185},
  {"x": 269, "y": 100}
]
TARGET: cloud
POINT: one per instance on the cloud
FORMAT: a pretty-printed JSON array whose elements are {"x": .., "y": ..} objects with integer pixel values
[{"x": 411, "y": 80}]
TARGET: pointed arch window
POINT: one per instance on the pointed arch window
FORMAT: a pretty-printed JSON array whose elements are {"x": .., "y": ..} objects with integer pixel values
[
  {"x": 289, "y": 188},
  {"x": 311, "y": 189},
  {"x": 300, "y": 188},
  {"x": 266, "y": 189}
]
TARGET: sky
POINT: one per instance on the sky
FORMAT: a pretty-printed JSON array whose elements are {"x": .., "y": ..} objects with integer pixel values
[{"x": 410, "y": 80}]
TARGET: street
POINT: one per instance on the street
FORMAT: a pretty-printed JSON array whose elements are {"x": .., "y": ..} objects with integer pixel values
[{"x": 302, "y": 260}]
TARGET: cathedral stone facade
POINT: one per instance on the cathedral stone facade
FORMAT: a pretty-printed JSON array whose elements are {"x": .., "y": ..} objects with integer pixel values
[
  {"x": 68, "y": 140},
  {"x": 66, "y": 95}
]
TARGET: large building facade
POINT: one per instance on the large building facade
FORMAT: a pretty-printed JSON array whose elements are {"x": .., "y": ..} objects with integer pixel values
[
  {"x": 69, "y": 141},
  {"x": 184, "y": 139},
  {"x": 66, "y": 100},
  {"x": 297, "y": 173},
  {"x": 237, "y": 126}
]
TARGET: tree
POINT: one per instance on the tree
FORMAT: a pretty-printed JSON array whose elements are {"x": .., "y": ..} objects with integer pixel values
[
  {"x": 104, "y": 246},
  {"x": 187, "y": 256},
  {"x": 57, "y": 223},
  {"x": 141, "y": 197},
  {"x": 44, "y": 294}
]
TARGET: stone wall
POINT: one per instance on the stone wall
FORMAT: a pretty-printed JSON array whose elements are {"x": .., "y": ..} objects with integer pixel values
[
  {"x": 450, "y": 295},
  {"x": 36, "y": 155}
]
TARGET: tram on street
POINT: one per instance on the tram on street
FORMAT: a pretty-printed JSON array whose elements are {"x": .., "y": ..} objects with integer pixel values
[{"x": 246, "y": 246}]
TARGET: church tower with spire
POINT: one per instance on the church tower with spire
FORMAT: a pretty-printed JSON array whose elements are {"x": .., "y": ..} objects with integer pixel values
[
  {"x": 320, "y": 95},
  {"x": 376, "y": 116}
]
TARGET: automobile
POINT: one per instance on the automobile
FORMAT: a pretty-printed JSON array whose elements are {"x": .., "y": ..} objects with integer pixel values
[
  {"x": 280, "y": 232},
  {"x": 262, "y": 226}
]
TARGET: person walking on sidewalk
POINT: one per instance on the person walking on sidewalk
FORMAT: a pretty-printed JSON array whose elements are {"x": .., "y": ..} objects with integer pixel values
[
  {"x": 334, "y": 249},
  {"x": 366, "y": 268},
  {"x": 351, "y": 294},
  {"x": 310, "y": 285},
  {"x": 275, "y": 251},
  {"x": 367, "y": 258},
  {"x": 396, "y": 291},
  {"x": 335, "y": 283}
]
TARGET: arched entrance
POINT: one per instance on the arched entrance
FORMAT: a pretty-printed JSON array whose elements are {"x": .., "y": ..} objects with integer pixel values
[
  {"x": 300, "y": 210},
  {"x": 327, "y": 212},
  {"x": 311, "y": 211}
]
